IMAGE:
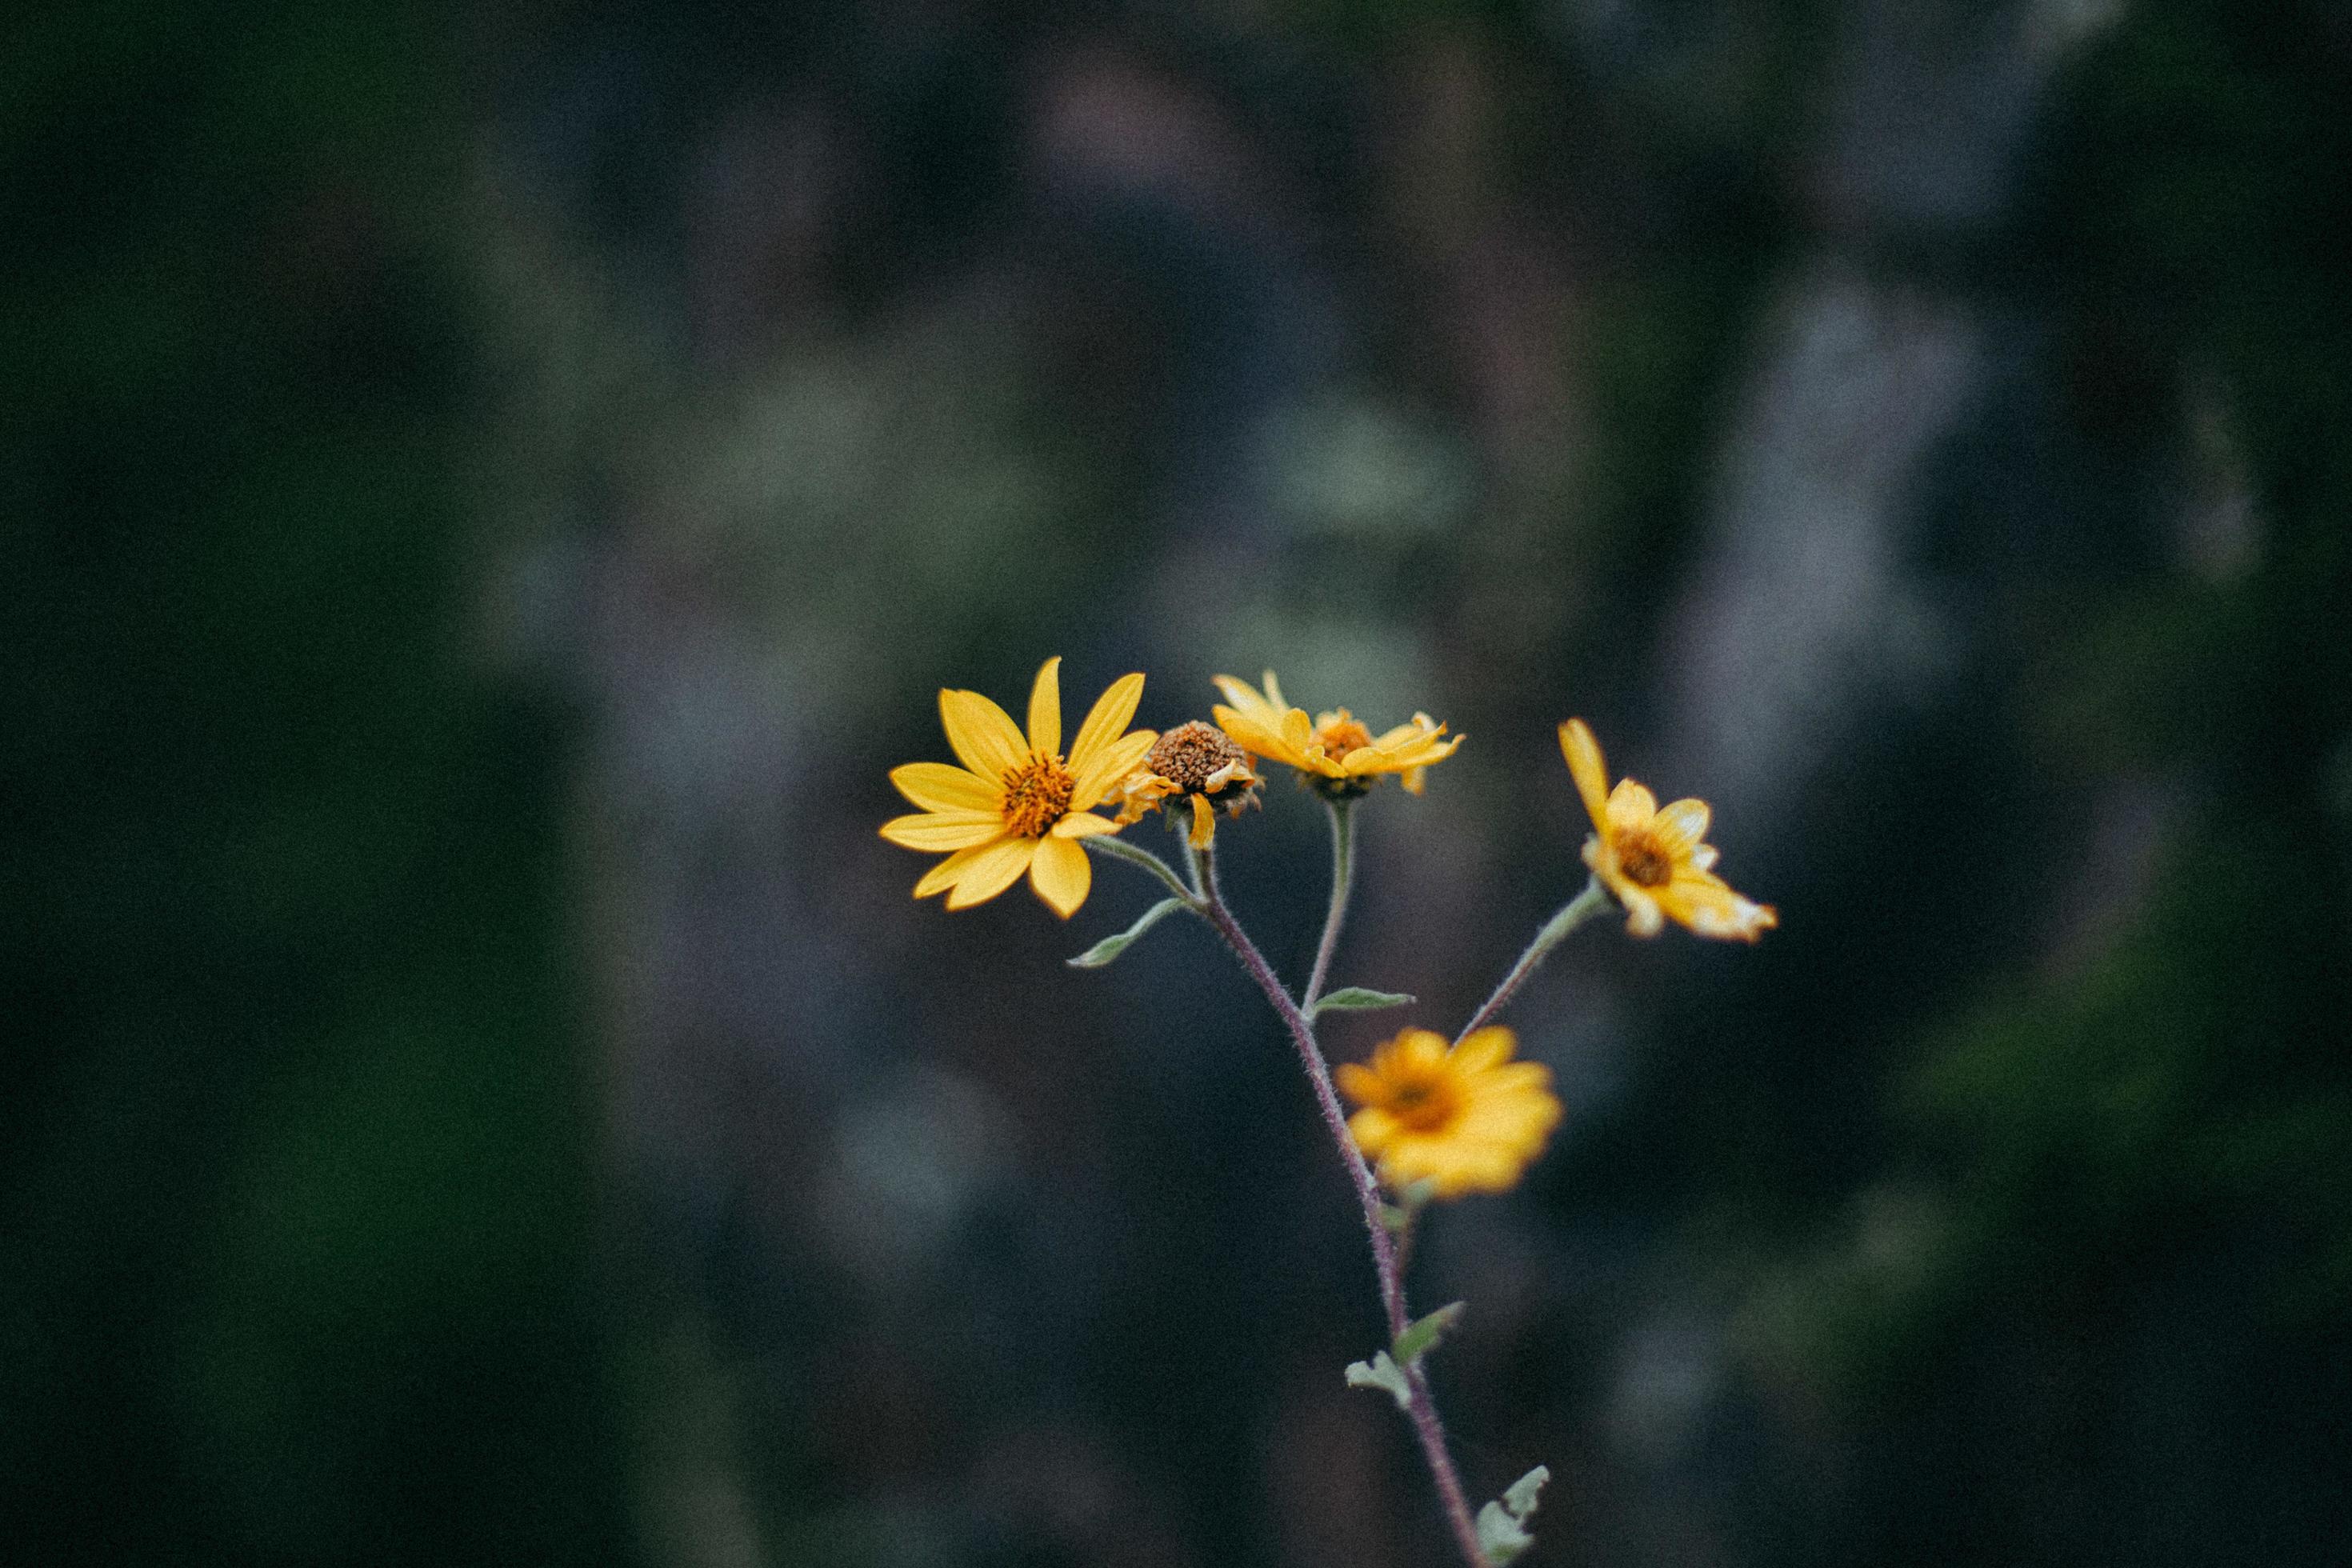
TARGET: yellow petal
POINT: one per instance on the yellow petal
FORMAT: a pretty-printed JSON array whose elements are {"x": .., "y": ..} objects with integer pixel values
[
  {"x": 1061, "y": 873},
  {"x": 1045, "y": 708},
  {"x": 1682, "y": 824},
  {"x": 948, "y": 872},
  {"x": 1273, "y": 693},
  {"x": 1259, "y": 737},
  {"x": 939, "y": 786},
  {"x": 1111, "y": 762},
  {"x": 1083, "y": 824},
  {"x": 1298, "y": 733},
  {"x": 1372, "y": 1129},
  {"x": 993, "y": 870},
  {"x": 1711, "y": 910},
  {"x": 984, "y": 737},
  {"x": 1631, "y": 805},
  {"x": 1514, "y": 1097},
  {"x": 1585, "y": 767},
  {"x": 936, "y": 830},
  {"x": 1745, "y": 920},
  {"x": 1205, "y": 822},
  {"x": 1483, "y": 1171},
  {"x": 1262, "y": 710},
  {"x": 1515, "y": 1080},
  {"x": 1487, "y": 1047},
  {"x": 1357, "y": 1082},
  {"x": 1419, "y": 1048},
  {"x": 1106, "y": 718},
  {"x": 1642, "y": 914}
]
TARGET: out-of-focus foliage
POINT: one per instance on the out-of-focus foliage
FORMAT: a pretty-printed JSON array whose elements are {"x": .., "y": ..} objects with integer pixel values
[
  {"x": 295, "y": 1256},
  {"x": 2119, "y": 1211},
  {"x": 486, "y": 498}
]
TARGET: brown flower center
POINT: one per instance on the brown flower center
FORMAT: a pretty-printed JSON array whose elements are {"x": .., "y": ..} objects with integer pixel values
[
  {"x": 1644, "y": 862},
  {"x": 1340, "y": 734},
  {"x": 1036, "y": 795},
  {"x": 1189, "y": 755},
  {"x": 1423, "y": 1104}
]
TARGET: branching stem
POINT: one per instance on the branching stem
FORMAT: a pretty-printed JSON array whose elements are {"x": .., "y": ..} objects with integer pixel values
[
  {"x": 1119, "y": 849},
  {"x": 1343, "y": 869},
  {"x": 1423, "y": 1408},
  {"x": 1573, "y": 914}
]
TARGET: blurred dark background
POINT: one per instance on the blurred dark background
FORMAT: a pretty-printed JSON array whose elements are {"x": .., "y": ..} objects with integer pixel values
[{"x": 487, "y": 493}]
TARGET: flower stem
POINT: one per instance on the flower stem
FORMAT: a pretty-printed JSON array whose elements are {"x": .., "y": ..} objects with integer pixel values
[
  {"x": 1343, "y": 870},
  {"x": 1422, "y": 1409},
  {"x": 1119, "y": 849},
  {"x": 1573, "y": 914}
]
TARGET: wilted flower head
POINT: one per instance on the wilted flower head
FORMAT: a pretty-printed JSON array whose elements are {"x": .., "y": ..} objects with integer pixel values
[{"x": 1200, "y": 762}]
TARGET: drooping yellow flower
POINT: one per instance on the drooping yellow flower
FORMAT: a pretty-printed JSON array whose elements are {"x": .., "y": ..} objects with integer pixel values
[
  {"x": 1017, "y": 805},
  {"x": 1465, "y": 1118},
  {"x": 1335, "y": 751},
  {"x": 1199, "y": 762},
  {"x": 1654, "y": 860}
]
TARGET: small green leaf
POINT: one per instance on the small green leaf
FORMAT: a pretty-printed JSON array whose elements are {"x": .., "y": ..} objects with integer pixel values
[
  {"x": 1500, "y": 1536},
  {"x": 1397, "y": 1221},
  {"x": 1110, "y": 947},
  {"x": 1421, "y": 1338},
  {"x": 1382, "y": 1373},
  {"x": 1502, "y": 1526},
  {"x": 1521, "y": 1495},
  {"x": 1356, "y": 999}
]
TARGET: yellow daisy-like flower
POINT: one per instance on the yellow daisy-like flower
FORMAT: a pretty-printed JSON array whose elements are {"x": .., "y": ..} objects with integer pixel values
[
  {"x": 1016, "y": 805},
  {"x": 1335, "y": 751},
  {"x": 1653, "y": 858},
  {"x": 1465, "y": 1118},
  {"x": 1197, "y": 760}
]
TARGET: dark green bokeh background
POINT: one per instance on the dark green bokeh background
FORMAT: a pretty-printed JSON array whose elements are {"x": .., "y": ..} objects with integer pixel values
[{"x": 435, "y": 447}]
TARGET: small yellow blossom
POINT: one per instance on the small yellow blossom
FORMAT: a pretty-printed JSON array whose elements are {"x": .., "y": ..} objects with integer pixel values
[
  {"x": 1653, "y": 858},
  {"x": 1017, "y": 805},
  {"x": 1465, "y": 1118},
  {"x": 1335, "y": 751},
  {"x": 1197, "y": 760}
]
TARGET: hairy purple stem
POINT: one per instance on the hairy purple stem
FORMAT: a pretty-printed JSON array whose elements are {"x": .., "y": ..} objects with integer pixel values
[
  {"x": 1423, "y": 1408},
  {"x": 1573, "y": 914}
]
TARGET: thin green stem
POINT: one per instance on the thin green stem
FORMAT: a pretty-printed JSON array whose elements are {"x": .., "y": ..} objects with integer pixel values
[
  {"x": 1573, "y": 914},
  {"x": 1422, "y": 1407},
  {"x": 1119, "y": 849},
  {"x": 1343, "y": 868}
]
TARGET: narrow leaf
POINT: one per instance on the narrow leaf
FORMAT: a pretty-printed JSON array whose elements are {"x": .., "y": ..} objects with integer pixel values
[
  {"x": 1356, "y": 999},
  {"x": 1420, "y": 1338},
  {"x": 1382, "y": 1373},
  {"x": 1110, "y": 947},
  {"x": 1520, "y": 1499}
]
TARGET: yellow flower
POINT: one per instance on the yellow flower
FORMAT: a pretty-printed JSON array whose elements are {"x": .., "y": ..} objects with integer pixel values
[
  {"x": 1466, "y": 1120},
  {"x": 1653, "y": 858},
  {"x": 1016, "y": 805},
  {"x": 1335, "y": 751},
  {"x": 1195, "y": 760}
]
